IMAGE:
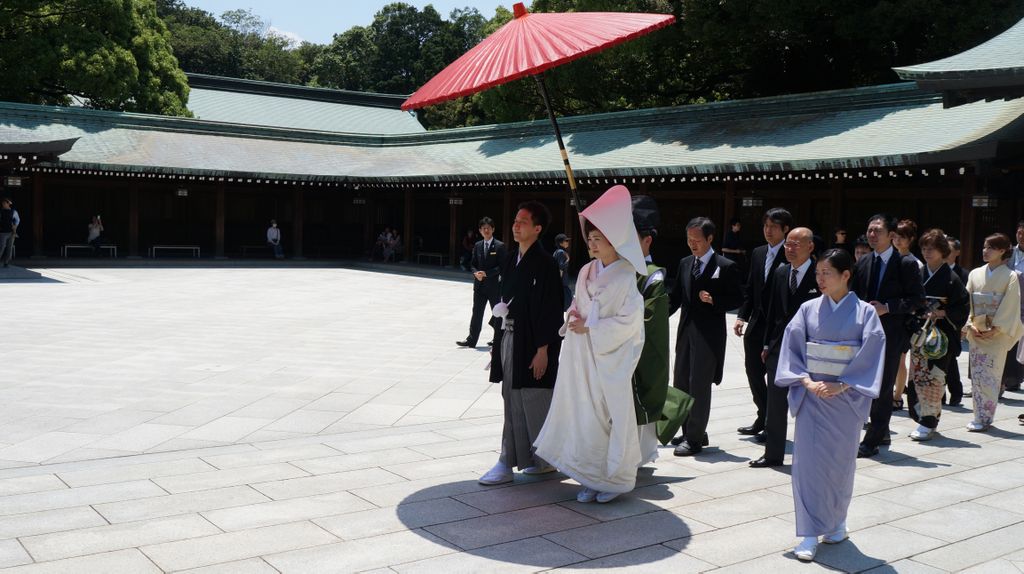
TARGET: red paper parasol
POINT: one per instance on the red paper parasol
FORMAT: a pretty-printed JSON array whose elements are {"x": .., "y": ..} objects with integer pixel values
[{"x": 528, "y": 45}]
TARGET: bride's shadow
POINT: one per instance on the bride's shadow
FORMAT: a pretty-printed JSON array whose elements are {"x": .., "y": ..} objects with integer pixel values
[{"x": 537, "y": 522}]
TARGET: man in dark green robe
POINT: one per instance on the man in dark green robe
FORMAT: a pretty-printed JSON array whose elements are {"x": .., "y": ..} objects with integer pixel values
[{"x": 650, "y": 381}]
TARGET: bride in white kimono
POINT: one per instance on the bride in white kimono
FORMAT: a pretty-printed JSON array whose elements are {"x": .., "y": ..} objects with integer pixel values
[
  {"x": 831, "y": 360},
  {"x": 591, "y": 431}
]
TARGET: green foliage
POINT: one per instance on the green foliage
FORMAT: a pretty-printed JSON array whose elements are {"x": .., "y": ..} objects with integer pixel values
[
  {"x": 116, "y": 54},
  {"x": 108, "y": 54}
]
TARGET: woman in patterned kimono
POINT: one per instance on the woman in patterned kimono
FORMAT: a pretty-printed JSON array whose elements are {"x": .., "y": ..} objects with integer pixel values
[
  {"x": 591, "y": 431},
  {"x": 831, "y": 361},
  {"x": 928, "y": 376},
  {"x": 993, "y": 326}
]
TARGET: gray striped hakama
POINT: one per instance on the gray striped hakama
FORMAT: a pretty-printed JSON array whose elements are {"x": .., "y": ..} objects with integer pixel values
[{"x": 525, "y": 411}]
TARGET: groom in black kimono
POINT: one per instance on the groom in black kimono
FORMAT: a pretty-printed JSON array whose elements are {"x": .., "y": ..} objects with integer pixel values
[
  {"x": 525, "y": 354},
  {"x": 707, "y": 285}
]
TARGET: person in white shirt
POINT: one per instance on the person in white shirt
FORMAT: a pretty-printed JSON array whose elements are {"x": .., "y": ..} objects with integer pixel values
[{"x": 274, "y": 239}]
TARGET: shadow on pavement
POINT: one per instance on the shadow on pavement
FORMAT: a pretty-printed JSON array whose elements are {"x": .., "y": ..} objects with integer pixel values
[{"x": 536, "y": 522}]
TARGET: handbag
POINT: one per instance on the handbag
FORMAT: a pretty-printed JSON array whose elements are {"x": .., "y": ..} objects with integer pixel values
[{"x": 930, "y": 341}]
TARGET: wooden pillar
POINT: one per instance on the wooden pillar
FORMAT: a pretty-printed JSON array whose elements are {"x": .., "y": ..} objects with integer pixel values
[
  {"x": 506, "y": 215},
  {"x": 219, "y": 224},
  {"x": 968, "y": 221},
  {"x": 730, "y": 205},
  {"x": 410, "y": 241},
  {"x": 837, "y": 213},
  {"x": 453, "y": 231},
  {"x": 37, "y": 216},
  {"x": 570, "y": 211},
  {"x": 299, "y": 219},
  {"x": 133, "y": 221},
  {"x": 368, "y": 238}
]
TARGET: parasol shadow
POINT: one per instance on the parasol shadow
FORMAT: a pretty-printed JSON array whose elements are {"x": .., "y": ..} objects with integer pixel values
[{"x": 537, "y": 522}]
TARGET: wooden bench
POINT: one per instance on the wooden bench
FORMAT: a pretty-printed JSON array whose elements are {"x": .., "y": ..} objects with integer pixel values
[
  {"x": 440, "y": 258},
  {"x": 247, "y": 248},
  {"x": 192, "y": 248},
  {"x": 112, "y": 249}
]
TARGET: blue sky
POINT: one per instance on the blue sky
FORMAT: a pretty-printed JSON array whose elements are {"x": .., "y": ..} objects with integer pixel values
[{"x": 318, "y": 20}]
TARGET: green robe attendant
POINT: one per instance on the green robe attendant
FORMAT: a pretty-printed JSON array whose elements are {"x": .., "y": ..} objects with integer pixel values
[{"x": 650, "y": 381}]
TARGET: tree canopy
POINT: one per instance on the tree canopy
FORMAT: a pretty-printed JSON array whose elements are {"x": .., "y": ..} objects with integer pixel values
[
  {"x": 110, "y": 54},
  {"x": 117, "y": 54}
]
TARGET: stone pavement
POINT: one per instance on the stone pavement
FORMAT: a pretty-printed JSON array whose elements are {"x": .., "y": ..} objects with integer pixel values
[{"x": 322, "y": 420}]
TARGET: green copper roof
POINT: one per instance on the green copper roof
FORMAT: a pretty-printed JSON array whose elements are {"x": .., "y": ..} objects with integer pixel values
[
  {"x": 1000, "y": 56},
  {"x": 297, "y": 107},
  {"x": 883, "y": 126}
]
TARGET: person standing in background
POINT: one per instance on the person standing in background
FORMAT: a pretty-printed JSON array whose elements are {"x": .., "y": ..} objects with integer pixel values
[
  {"x": 274, "y": 239},
  {"x": 562, "y": 259},
  {"x": 776, "y": 224},
  {"x": 488, "y": 253}
]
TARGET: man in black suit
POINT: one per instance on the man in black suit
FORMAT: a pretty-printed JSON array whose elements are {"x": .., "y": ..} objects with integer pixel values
[
  {"x": 763, "y": 262},
  {"x": 488, "y": 254},
  {"x": 892, "y": 285},
  {"x": 793, "y": 284},
  {"x": 707, "y": 285}
]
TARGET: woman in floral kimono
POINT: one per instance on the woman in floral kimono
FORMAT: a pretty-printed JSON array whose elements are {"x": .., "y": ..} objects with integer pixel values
[
  {"x": 993, "y": 326},
  {"x": 943, "y": 287},
  {"x": 831, "y": 361},
  {"x": 591, "y": 432}
]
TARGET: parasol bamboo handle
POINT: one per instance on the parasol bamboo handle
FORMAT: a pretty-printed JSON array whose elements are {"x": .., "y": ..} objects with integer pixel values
[{"x": 561, "y": 145}]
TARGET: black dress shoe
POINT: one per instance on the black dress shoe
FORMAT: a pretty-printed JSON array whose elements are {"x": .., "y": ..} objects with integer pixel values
[
  {"x": 466, "y": 343},
  {"x": 761, "y": 437},
  {"x": 886, "y": 440},
  {"x": 490, "y": 343},
  {"x": 679, "y": 440},
  {"x": 865, "y": 451},
  {"x": 750, "y": 430},
  {"x": 764, "y": 463},
  {"x": 684, "y": 449}
]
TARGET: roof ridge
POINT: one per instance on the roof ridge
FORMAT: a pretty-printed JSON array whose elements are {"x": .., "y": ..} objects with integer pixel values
[
  {"x": 297, "y": 91},
  {"x": 902, "y": 94}
]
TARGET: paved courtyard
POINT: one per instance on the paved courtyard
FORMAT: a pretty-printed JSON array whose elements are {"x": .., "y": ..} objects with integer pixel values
[{"x": 322, "y": 420}]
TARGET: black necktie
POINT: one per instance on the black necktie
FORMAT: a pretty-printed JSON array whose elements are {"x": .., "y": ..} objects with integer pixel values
[
  {"x": 876, "y": 275},
  {"x": 696, "y": 267},
  {"x": 792, "y": 282}
]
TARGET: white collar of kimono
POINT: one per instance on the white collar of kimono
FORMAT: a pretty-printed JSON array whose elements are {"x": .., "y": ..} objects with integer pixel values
[
  {"x": 885, "y": 255},
  {"x": 834, "y": 304},
  {"x": 612, "y": 213}
]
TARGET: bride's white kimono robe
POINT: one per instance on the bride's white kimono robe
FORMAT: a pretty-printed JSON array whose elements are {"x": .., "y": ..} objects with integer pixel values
[{"x": 591, "y": 432}]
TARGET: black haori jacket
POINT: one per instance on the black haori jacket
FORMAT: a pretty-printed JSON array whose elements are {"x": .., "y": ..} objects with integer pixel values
[{"x": 534, "y": 289}]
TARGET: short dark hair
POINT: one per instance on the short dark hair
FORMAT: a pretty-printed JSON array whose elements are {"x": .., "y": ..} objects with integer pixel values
[
  {"x": 706, "y": 226},
  {"x": 839, "y": 259},
  {"x": 935, "y": 239},
  {"x": 907, "y": 228},
  {"x": 1000, "y": 241},
  {"x": 862, "y": 241},
  {"x": 560, "y": 238},
  {"x": 539, "y": 212},
  {"x": 734, "y": 221},
  {"x": 485, "y": 221},
  {"x": 779, "y": 216},
  {"x": 588, "y": 226},
  {"x": 954, "y": 243},
  {"x": 889, "y": 221},
  {"x": 1019, "y": 223}
]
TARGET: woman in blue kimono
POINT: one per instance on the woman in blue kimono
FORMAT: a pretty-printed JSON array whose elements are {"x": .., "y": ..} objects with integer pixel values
[{"x": 831, "y": 360}]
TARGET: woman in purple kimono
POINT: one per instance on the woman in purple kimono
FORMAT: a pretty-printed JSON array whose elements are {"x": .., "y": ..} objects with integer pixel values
[{"x": 831, "y": 360}]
